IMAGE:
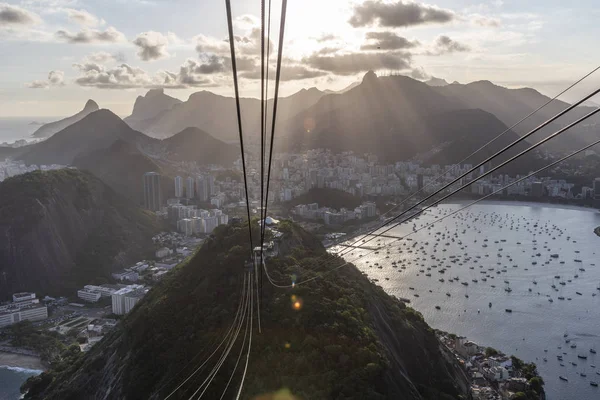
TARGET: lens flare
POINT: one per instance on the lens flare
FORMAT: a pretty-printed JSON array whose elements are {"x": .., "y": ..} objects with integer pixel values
[{"x": 309, "y": 124}]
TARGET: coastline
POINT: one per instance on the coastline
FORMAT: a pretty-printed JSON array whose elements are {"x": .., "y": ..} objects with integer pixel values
[{"x": 13, "y": 360}]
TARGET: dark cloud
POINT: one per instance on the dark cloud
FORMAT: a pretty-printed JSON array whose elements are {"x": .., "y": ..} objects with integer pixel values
[
  {"x": 111, "y": 35},
  {"x": 288, "y": 73},
  {"x": 210, "y": 64},
  {"x": 13, "y": 16},
  {"x": 152, "y": 46},
  {"x": 387, "y": 41},
  {"x": 444, "y": 45},
  {"x": 352, "y": 63},
  {"x": 398, "y": 14}
]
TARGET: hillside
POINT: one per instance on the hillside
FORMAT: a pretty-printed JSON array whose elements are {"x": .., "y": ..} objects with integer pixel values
[
  {"x": 511, "y": 105},
  {"x": 211, "y": 113},
  {"x": 154, "y": 103},
  {"x": 193, "y": 144},
  {"x": 396, "y": 118},
  {"x": 350, "y": 340},
  {"x": 64, "y": 228},
  {"x": 51, "y": 128},
  {"x": 121, "y": 166},
  {"x": 97, "y": 130}
]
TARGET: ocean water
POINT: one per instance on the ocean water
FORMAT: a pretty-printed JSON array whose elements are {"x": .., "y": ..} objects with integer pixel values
[
  {"x": 12, "y": 129},
  {"x": 518, "y": 235},
  {"x": 11, "y": 379}
]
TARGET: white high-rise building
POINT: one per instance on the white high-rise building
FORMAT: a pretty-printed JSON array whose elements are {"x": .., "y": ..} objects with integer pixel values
[
  {"x": 125, "y": 299},
  {"x": 189, "y": 187},
  {"x": 178, "y": 187}
]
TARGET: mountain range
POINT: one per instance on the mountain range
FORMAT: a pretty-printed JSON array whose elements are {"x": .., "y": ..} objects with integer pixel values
[
  {"x": 214, "y": 114},
  {"x": 65, "y": 228}
]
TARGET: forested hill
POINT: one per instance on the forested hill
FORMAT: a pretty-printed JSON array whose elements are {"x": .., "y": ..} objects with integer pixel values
[
  {"x": 65, "y": 228},
  {"x": 349, "y": 340}
]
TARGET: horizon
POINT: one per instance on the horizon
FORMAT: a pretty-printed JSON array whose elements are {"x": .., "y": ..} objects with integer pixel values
[{"x": 112, "y": 54}]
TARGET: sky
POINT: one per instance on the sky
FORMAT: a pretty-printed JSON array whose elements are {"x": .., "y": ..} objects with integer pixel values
[{"x": 56, "y": 54}]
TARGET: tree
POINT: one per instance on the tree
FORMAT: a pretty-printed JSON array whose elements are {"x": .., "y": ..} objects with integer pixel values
[{"x": 490, "y": 352}]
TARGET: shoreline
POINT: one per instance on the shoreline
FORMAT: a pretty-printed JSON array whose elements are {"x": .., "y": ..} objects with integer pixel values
[{"x": 13, "y": 360}]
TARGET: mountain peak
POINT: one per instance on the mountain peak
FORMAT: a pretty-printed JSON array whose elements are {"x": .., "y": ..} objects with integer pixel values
[
  {"x": 370, "y": 77},
  {"x": 90, "y": 106},
  {"x": 155, "y": 92}
]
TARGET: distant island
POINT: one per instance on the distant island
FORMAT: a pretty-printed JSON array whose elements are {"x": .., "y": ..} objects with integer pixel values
[
  {"x": 37, "y": 123},
  {"x": 597, "y": 231}
]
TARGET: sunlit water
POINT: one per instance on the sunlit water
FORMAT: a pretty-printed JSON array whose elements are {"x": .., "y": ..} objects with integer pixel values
[{"x": 535, "y": 324}]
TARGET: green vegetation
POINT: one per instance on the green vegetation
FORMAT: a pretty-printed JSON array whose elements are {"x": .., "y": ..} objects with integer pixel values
[
  {"x": 49, "y": 345},
  {"x": 529, "y": 372},
  {"x": 68, "y": 222},
  {"x": 348, "y": 340},
  {"x": 490, "y": 352},
  {"x": 327, "y": 198}
]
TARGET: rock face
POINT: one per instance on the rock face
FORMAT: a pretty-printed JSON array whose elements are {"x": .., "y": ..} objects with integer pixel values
[
  {"x": 51, "y": 128},
  {"x": 154, "y": 103},
  {"x": 61, "y": 229},
  {"x": 349, "y": 339}
]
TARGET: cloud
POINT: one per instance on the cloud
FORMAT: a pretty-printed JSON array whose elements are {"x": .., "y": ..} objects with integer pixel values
[
  {"x": 14, "y": 16},
  {"x": 110, "y": 35},
  {"x": 55, "y": 78},
  {"x": 328, "y": 50},
  {"x": 352, "y": 63},
  {"x": 205, "y": 44},
  {"x": 152, "y": 46},
  {"x": 484, "y": 21},
  {"x": 387, "y": 41},
  {"x": 419, "y": 73},
  {"x": 211, "y": 64},
  {"x": 104, "y": 57},
  {"x": 122, "y": 76},
  {"x": 125, "y": 76},
  {"x": 288, "y": 73},
  {"x": 83, "y": 17},
  {"x": 327, "y": 37},
  {"x": 244, "y": 45},
  {"x": 398, "y": 14},
  {"x": 444, "y": 45},
  {"x": 193, "y": 73},
  {"x": 246, "y": 22}
]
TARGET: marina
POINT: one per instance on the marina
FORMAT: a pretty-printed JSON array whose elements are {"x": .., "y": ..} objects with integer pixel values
[{"x": 519, "y": 259}]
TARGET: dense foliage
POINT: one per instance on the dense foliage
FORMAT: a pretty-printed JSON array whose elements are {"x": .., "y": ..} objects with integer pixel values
[{"x": 67, "y": 228}]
